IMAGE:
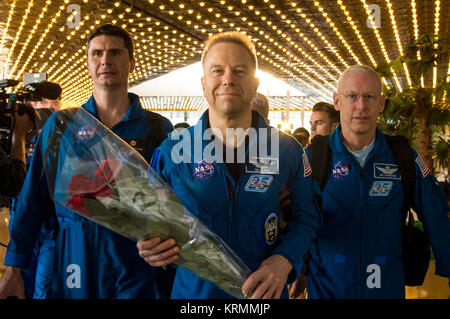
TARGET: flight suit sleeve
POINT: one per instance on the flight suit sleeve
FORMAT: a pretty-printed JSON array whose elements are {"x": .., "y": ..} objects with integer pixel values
[
  {"x": 432, "y": 207},
  {"x": 157, "y": 163},
  {"x": 304, "y": 214},
  {"x": 28, "y": 213}
]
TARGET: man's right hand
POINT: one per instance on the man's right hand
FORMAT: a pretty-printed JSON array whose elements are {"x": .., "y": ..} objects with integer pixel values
[
  {"x": 158, "y": 253},
  {"x": 11, "y": 284},
  {"x": 23, "y": 125}
]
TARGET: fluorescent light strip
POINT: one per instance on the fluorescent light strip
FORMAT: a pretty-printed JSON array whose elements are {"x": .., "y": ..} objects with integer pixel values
[
  {"x": 397, "y": 37},
  {"x": 19, "y": 31}
]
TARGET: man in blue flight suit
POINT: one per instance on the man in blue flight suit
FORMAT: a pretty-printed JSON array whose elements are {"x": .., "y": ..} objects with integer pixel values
[
  {"x": 89, "y": 261},
  {"x": 237, "y": 198},
  {"x": 357, "y": 253}
]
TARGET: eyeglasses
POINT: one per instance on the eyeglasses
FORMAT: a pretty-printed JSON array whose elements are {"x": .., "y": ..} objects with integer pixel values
[{"x": 353, "y": 97}]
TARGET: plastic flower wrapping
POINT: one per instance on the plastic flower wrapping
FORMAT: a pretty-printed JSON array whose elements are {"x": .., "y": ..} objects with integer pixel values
[{"x": 93, "y": 172}]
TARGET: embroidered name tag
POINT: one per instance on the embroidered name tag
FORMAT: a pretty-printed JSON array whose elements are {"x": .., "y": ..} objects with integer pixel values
[
  {"x": 261, "y": 165},
  {"x": 386, "y": 171}
]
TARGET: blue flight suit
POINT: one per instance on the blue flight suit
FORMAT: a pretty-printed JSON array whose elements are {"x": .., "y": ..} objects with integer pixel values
[
  {"x": 89, "y": 261},
  {"x": 357, "y": 253},
  {"x": 244, "y": 212}
]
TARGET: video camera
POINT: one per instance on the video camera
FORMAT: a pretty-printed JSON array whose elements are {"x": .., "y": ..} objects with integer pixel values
[{"x": 20, "y": 101}]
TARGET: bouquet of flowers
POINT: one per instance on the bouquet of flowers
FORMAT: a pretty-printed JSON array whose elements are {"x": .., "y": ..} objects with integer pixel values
[{"x": 91, "y": 171}]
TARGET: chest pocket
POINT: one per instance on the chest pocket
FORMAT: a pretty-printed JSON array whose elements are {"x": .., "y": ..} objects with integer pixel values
[
  {"x": 140, "y": 145},
  {"x": 156, "y": 135}
]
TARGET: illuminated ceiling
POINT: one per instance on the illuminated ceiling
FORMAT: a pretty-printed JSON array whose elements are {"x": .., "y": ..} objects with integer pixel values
[{"x": 306, "y": 43}]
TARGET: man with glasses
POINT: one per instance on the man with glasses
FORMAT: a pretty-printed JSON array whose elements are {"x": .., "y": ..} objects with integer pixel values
[{"x": 357, "y": 253}]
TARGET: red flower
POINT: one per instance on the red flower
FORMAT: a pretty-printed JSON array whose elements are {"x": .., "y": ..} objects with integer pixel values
[
  {"x": 78, "y": 184},
  {"x": 84, "y": 189},
  {"x": 77, "y": 203},
  {"x": 108, "y": 170},
  {"x": 100, "y": 189}
]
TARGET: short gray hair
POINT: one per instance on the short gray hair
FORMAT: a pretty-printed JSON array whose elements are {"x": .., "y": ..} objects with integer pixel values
[{"x": 363, "y": 68}]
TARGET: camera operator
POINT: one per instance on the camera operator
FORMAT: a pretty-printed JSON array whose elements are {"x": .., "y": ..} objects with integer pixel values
[{"x": 12, "y": 166}]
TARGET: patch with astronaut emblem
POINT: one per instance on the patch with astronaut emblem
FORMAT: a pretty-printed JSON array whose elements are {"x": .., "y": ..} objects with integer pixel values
[
  {"x": 381, "y": 188},
  {"x": 340, "y": 171},
  {"x": 203, "y": 170},
  {"x": 386, "y": 171},
  {"x": 271, "y": 229},
  {"x": 258, "y": 183},
  {"x": 85, "y": 133}
]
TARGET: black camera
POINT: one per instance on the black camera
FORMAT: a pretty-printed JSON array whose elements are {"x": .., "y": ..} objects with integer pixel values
[{"x": 20, "y": 101}]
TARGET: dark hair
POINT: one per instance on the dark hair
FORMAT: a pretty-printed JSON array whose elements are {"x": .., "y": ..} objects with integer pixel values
[
  {"x": 327, "y": 108},
  {"x": 301, "y": 130},
  {"x": 181, "y": 125},
  {"x": 115, "y": 31}
]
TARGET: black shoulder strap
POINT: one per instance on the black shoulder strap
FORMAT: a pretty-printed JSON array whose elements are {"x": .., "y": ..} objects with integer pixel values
[
  {"x": 156, "y": 126},
  {"x": 404, "y": 157},
  {"x": 156, "y": 134},
  {"x": 51, "y": 157},
  {"x": 320, "y": 159}
]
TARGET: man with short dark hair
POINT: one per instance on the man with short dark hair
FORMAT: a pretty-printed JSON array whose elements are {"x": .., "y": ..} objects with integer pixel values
[
  {"x": 302, "y": 135},
  {"x": 83, "y": 259},
  {"x": 324, "y": 119}
]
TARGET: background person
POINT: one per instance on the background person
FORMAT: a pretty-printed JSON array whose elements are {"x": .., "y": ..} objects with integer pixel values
[
  {"x": 324, "y": 119},
  {"x": 302, "y": 136}
]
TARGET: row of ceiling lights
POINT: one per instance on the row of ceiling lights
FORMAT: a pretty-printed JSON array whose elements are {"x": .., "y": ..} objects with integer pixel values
[{"x": 142, "y": 71}]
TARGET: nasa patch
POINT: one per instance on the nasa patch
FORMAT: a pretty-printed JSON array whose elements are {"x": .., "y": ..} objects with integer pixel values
[
  {"x": 340, "y": 171},
  {"x": 258, "y": 183},
  {"x": 271, "y": 229},
  {"x": 381, "y": 188},
  {"x": 203, "y": 170},
  {"x": 85, "y": 133}
]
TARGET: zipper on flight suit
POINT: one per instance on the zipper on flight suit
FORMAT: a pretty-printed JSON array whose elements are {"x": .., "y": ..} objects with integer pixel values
[
  {"x": 363, "y": 218},
  {"x": 231, "y": 192}
]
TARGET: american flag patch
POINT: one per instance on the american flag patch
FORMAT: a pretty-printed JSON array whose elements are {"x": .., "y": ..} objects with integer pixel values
[
  {"x": 423, "y": 167},
  {"x": 306, "y": 166}
]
